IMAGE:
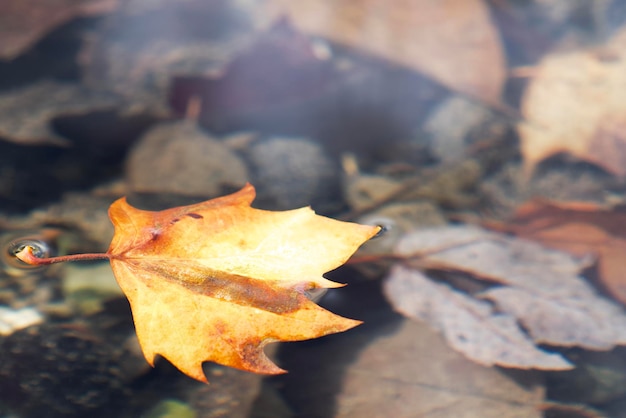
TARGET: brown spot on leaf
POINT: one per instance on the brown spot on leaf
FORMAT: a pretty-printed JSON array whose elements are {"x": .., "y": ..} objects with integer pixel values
[{"x": 249, "y": 292}]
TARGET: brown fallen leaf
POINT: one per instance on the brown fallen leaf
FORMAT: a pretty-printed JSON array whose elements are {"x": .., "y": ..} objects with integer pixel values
[
  {"x": 581, "y": 229},
  {"x": 24, "y": 22},
  {"x": 529, "y": 286},
  {"x": 576, "y": 104},
  {"x": 433, "y": 37},
  {"x": 410, "y": 372},
  {"x": 26, "y": 113},
  {"x": 218, "y": 280}
]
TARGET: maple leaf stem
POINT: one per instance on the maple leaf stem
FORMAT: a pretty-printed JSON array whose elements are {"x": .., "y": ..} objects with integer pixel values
[{"x": 27, "y": 256}]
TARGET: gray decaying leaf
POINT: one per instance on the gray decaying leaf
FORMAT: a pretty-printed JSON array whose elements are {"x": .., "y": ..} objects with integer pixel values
[
  {"x": 469, "y": 325},
  {"x": 538, "y": 289},
  {"x": 26, "y": 113},
  {"x": 588, "y": 322}
]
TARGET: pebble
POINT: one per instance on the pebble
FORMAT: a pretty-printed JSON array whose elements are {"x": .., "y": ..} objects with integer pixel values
[
  {"x": 179, "y": 158},
  {"x": 12, "y": 320},
  {"x": 450, "y": 126},
  {"x": 61, "y": 370},
  {"x": 171, "y": 408},
  {"x": 294, "y": 172},
  {"x": 87, "y": 287},
  {"x": 362, "y": 190}
]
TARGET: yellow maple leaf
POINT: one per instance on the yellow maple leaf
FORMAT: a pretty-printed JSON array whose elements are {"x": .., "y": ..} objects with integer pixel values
[{"x": 218, "y": 280}]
